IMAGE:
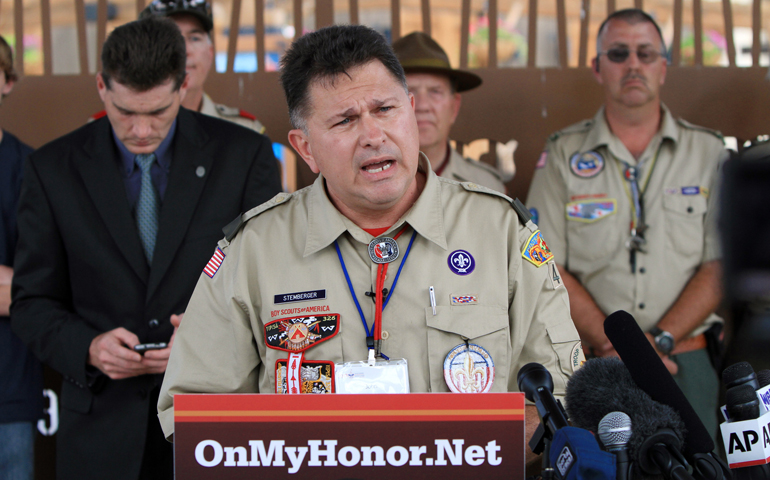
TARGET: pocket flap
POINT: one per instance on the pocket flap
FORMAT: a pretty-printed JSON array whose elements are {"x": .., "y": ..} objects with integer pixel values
[
  {"x": 562, "y": 333},
  {"x": 688, "y": 205},
  {"x": 470, "y": 322}
]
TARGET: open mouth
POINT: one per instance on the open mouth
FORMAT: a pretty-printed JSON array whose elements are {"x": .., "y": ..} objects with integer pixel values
[{"x": 378, "y": 166}]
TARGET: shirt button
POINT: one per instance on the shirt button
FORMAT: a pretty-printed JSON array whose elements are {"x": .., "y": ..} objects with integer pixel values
[
  {"x": 154, "y": 323},
  {"x": 689, "y": 209},
  {"x": 642, "y": 270},
  {"x": 641, "y": 306},
  {"x": 385, "y": 334}
]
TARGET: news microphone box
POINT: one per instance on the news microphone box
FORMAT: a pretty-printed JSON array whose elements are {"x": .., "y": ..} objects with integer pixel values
[{"x": 747, "y": 443}]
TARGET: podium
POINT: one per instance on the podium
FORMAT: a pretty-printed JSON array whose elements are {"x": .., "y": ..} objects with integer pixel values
[{"x": 440, "y": 435}]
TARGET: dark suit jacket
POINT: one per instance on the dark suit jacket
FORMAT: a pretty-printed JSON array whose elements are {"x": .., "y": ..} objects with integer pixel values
[{"x": 81, "y": 271}]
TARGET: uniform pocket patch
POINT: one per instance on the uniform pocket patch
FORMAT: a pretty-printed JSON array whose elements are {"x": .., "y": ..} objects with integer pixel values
[{"x": 589, "y": 211}]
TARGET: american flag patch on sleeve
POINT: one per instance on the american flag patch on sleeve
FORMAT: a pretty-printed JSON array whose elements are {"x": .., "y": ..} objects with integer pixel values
[{"x": 214, "y": 264}]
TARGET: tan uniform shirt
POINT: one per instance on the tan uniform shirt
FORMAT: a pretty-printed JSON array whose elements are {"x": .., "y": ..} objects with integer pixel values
[
  {"x": 520, "y": 314},
  {"x": 231, "y": 114},
  {"x": 469, "y": 170},
  {"x": 583, "y": 204}
]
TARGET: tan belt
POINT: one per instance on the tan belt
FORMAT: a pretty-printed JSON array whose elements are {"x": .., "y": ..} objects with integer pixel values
[{"x": 690, "y": 344}]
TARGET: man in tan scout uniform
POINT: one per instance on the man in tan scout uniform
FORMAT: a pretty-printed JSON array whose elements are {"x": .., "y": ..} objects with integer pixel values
[
  {"x": 626, "y": 201},
  {"x": 193, "y": 17},
  {"x": 292, "y": 282},
  {"x": 436, "y": 87}
]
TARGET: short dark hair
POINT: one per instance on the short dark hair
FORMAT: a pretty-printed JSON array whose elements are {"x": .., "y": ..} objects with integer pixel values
[
  {"x": 632, "y": 16},
  {"x": 326, "y": 53},
  {"x": 6, "y": 61},
  {"x": 144, "y": 54}
]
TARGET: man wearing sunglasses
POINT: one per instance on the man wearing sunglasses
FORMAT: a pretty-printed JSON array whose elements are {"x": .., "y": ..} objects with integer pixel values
[
  {"x": 626, "y": 201},
  {"x": 193, "y": 17}
]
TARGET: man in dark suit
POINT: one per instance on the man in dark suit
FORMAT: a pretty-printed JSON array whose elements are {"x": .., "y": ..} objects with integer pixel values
[{"x": 116, "y": 221}]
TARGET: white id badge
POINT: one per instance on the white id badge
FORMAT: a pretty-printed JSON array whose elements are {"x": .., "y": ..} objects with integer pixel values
[{"x": 385, "y": 376}]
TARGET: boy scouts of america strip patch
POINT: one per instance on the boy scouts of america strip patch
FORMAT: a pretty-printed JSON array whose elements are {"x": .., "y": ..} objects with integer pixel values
[
  {"x": 315, "y": 376},
  {"x": 297, "y": 334},
  {"x": 464, "y": 299},
  {"x": 536, "y": 251},
  {"x": 212, "y": 267}
]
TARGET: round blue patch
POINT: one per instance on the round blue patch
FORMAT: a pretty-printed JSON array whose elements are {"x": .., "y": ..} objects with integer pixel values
[
  {"x": 461, "y": 262},
  {"x": 535, "y": 215},
  {"x": 586, "y": 165}
]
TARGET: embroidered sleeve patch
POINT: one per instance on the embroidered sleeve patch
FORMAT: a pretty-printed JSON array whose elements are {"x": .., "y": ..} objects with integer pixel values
[
  {"x": 316, "y": 376},
  {"x": 212, "y": 267},
  {"x": 536, "y": 251},
  {"x": 589, "y": 211},
  {"x": 297, "y": 334}
]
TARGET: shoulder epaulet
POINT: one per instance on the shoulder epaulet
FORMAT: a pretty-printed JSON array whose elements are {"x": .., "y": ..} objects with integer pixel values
[
  {"x": 245, "y": 114},
  {"x": 226, "y": 111},
  {"x": 685, "y": 124},
  {"x": 579, "y": 127},
  {"x": 518, "y": 207},
  {"x": 484, "y": 166},
  {"x": 97, "y": 115},
  {"x": 232, "y": 228}
]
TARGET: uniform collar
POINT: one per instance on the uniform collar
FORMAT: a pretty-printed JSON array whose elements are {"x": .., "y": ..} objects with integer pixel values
[
  {"x": 208, "y": 107},
  {"x": 326, "y": 223},
  {"x": 601, "y": 135}
]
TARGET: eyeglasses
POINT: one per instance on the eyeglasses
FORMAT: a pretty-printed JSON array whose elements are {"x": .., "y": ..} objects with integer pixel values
[{"x": 620, "y": 55}]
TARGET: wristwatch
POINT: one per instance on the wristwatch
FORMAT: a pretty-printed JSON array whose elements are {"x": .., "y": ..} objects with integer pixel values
[{"x": 663, "y": 340}]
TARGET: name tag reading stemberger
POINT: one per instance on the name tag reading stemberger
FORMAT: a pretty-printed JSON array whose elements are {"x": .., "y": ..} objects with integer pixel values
[{"x": 384, "y": 376}]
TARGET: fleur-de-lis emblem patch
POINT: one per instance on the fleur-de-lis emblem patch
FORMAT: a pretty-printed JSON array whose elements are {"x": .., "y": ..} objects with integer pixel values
[{"x": 461, "y": 262}]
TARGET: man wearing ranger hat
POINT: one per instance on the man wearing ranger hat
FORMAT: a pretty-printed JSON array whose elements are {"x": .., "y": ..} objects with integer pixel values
[
  {"x": 193, "y": 17},
  {"x": 436, "y": 87}
]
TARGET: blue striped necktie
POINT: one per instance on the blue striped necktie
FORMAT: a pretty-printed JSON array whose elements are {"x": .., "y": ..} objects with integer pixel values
[{"x": 148, "y": 206}]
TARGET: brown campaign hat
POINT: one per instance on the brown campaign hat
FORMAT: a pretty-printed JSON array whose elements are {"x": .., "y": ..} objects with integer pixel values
[{"x": 418, "y": 53}]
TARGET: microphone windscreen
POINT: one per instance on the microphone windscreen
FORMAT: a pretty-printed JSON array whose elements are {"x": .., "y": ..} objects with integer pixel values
[
  {"x": 651, "y": 375},
  {"x": 763, "y": 378},
  {"x": 742, "y": 403},
  {"x": 604, "y": 385},
  {"x": 738, "y": 374}
]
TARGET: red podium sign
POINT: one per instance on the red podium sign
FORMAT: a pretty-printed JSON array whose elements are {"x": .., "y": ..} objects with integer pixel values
[{"x": 349, "y": 436}]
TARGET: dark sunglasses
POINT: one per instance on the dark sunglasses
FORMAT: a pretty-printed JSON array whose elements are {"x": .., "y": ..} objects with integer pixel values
[{"x": 620, "y": 55}]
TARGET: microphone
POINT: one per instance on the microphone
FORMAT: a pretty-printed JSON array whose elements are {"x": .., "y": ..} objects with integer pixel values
[
  {"x": 742, "y": 403},
  {"x": 740, "y": 373},
  {"x": 567, "y": 451},
  {"x": 649, "y": 373},
  {"x": 537, "y": 384},
  {"x": 742, "y": 432},
  {"x": 614, "y": 432},
  {"x": 604, "y": 385}
]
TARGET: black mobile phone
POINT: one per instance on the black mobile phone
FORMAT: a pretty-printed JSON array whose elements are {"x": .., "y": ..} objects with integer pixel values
[{"x": 143, "y": 347}]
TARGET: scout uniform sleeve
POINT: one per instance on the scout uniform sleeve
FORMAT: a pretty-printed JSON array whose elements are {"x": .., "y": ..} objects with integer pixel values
[
  {"x": 214, "y": 350},
  {"x": 547, "y": 199},
  {"x": 541, "y": 327},
  {"x": 711, "y": 250}
]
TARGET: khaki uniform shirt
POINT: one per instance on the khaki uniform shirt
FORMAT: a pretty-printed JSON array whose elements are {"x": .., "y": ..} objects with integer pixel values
[
  {"x": 584, "y": 208},
  {"x": 231, "y": 114},
  {"x": 520, "y": 314},
  {"x": 469, "y": 170}
]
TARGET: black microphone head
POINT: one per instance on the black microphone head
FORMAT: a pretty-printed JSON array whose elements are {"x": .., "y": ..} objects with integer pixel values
[
  {"x": 763, "y": 378},
  {"x": 531, "y": 377},
  {"x": 738, "y": 374},
  {"x": 604, "y": 385},
  {"x": 742, "y": 403}
]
